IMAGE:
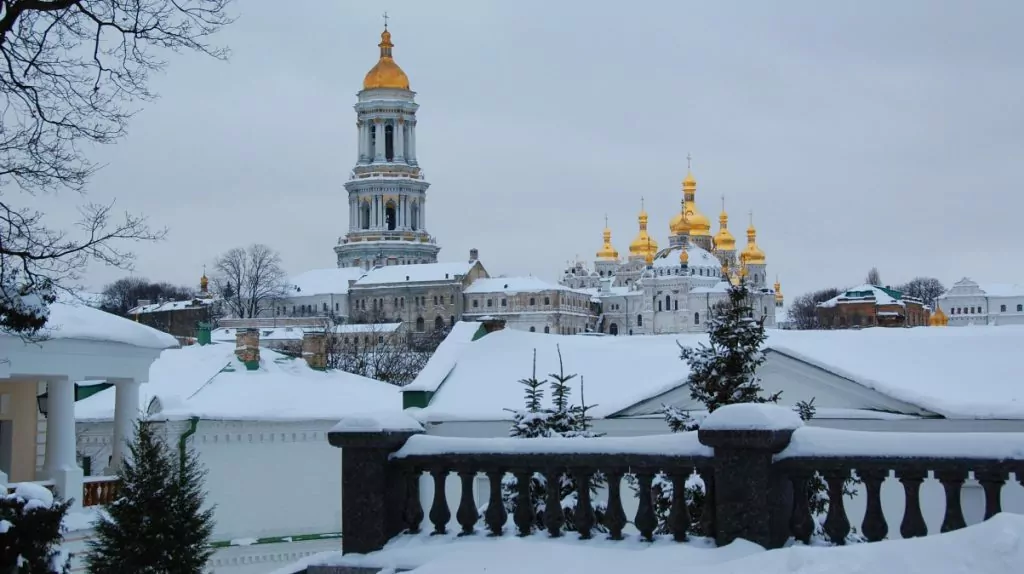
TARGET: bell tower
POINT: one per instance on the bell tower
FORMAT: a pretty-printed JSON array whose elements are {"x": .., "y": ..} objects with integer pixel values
[{"x": 387, "y": 191}]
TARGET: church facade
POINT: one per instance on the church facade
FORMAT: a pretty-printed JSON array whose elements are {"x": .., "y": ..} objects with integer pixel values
[
  {"x": 387, "y": 192},
  {"x": 674, "y": 289}
]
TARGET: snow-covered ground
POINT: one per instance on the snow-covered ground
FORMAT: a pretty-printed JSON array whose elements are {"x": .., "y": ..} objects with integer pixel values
[{"x": 993, "y": 547}]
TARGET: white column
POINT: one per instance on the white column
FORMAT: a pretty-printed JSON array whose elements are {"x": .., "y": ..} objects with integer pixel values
[
  {"x": 378, "y": 152},
  {"x": 126, "y": 412},
  {"x": 359, "y": 142},
  {"x": 399, "y": 137},
  {"x": 412, "y": 142},
  {"x": 59, "y": 464}
]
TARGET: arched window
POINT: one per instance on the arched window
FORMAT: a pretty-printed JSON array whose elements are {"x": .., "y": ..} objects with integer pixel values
[
  {"x": 420, "y": 324},
  {"x": 364, "y": 215},
  {"x": 639, "y": 320},
  {"x": 613, "y": 329},
  {"x": 668, "y": 303},
  {"x": 389, "y": 142},
  {"x": 414, "y": 216},
  {"x": 451, "y": 321},
  {"x": 676, "y": 304},
  {"x": 533, "y": 301},
  {"x": 547, "y": 329},
  {"x": 659, "y": 305},
  {"x": 696, "y": 318},
  {"x": 547, "y": 300},
  {"x": 533, "y": 329},
  {"x": 390, "y": 215},
  {"x": 1020, "y": 308},
  {"x": 438, "y": 324}
]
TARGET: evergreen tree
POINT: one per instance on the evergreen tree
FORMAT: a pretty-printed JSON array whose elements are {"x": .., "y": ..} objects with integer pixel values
[
  {"x": 157, "y": 524},
  {"x": 562, "y": 419},
  {"x": 31, "y": 531}
]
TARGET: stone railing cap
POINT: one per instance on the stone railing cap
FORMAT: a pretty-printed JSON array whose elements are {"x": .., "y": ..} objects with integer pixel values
[
  {"x": 752, "y": 417},
  {"x": 395, "y": 421}
]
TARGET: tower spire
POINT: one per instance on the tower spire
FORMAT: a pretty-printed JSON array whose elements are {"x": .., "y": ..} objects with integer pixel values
[{"x": 385, "y": 20}]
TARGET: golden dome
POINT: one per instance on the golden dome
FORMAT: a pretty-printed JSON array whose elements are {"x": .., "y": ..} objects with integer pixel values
[
  {"x": 204, "y": 283},
  {"x": 778, "y": 292},
  {"x": 607, "y": 253},
  {"x": 938, "y": 318},
  {"x": 699, "y": 223},
  {"x": 679, "y": 225},
  {"x": 386, "y": 74},
  {"x": 724, "y": 241},
  {"x": 644, "y": 244},
  {"x": 684, "y": 257},
  {"x": 752, "y": 254}
]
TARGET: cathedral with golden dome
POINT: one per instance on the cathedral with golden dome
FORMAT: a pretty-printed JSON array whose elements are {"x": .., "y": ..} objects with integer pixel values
[
  {"x": 673, "y": 289},
  {"x": 387, "y": 193}
]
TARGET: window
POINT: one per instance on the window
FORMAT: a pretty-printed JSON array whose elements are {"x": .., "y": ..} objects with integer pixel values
[
  {"x": 696, "y": 318},
  {"x": 401, "y": 302},
  {"x": 639, "y": 320},
  {"x": 439, "y": 324},
  {"x": 533, "y": 301},
  {"x": 420, "y": 324},
  {"x": 547, "y": 300},
  {"x": 676, "y": 304},
  {"x": 364, "y": 215},
  {"x": 668, "y": 302},
  {"x": 1002, "y": 308},
  {"x": 490, "y": 302},
  {"x": 389, "y": 142},
  {"x": 547, "y": 329},
  {"x": 391, "y": 215},
  {"x": 476, "y": 303},
  {"x": 659, "y": 305},
  {"x": 533, "y": 329},
  {"x": 613, "y": 329},
  {"x": 451, "y": 299},
  {"x": 504, "y": 302},
  {"x": 380, "y": 338},
  {"x": 1020, "y": 308},
  {"x": 435, "y": 299}
]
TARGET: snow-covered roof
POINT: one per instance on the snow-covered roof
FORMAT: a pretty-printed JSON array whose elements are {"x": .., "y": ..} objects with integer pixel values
[
  {"x": 863, "y": 293},
  {"x": 82, "y": 322},
  {"x": 331, "y": 281},
  {"x": 228, "y": 334},
  {"x": 367, "y": 328},
  {"x": 697, "y": 257},
  {"x": 209, "y": 382},
  {"x": 445, "y": 357},
  {"x": 720, "y": 287},
  {"x": 1003, "y": 289},
  {"x": 193, "y": 303},
  {"x": 512, "y": 285},
  {"x": 421, "y": 272},
  {"x": 957, "y": 373}
]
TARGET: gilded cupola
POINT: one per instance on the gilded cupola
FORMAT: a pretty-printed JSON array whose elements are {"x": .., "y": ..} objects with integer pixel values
[
  {"x": 607, "y": 252},
  {"x": 386, "y": 74},
  {"x": 644, "y": 244},
  {"x": 724, "y": 241},
  {"x": 698, "y": 222},
  {"x": 752, "y": 254},
  {"x": 779, "y": 299},
  {"x": 938, "y": 317}
]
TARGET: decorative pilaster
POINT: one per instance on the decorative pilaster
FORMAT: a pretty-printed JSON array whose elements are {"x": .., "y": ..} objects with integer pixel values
[
  {"x": 399, "y": 137},
  {"x": 412, "y": 144},
  {"x": 378, "y": 148}
]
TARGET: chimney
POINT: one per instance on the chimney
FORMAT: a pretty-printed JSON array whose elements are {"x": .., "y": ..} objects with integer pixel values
[
  {"x": 474, "y": 254},
  {"x": 247, "y": 348},
  {"x": 314, "y": 350},
  {"x": 492, "y": 324}
]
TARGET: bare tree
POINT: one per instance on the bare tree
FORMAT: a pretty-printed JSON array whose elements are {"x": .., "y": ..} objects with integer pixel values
[
  {"x": 804, "y": 310},
  {"x": 250, "y": 280},
  {"x": 927, "y": 289},
  {"x": 380, "y": 351},
  {"x": 874, "y": 277},
  {"x": 70, "y": 70},
  {"x": 122, "y": 295}
]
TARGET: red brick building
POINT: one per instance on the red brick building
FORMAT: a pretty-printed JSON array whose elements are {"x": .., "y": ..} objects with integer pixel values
[{"x": 872, "y": 306}]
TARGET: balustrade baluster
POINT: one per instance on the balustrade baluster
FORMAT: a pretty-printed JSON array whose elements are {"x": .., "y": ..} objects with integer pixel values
[
  {"x": 801, "y": 523},
  {"x": 913, "y": 521},
  {"x": 952, "y": 482},
  {"x": 614, "y": 516},
  {"x": 837, "y": 524},
  {"x": 583, "y": 518},
  {"x": 554, "y": 518},
  {"x": 413, "y": 514},
  {"x": 645, "y": 520},
  {"x": 467, "y": 514},
  {"x": 524, "y": 515},
  {"x": 439, "y": 512},
  {"x": 992, "y": 482},
  {"x": 874, "y": 526},
  {"x": 678, "y": 514},
  {"x": 495, "y": 516},
  {"x": 707, "y": 513}
]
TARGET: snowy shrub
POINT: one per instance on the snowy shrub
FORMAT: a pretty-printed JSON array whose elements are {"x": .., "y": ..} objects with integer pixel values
[
  {"x": 560, "y": 420},
  {"x": 31, "y": 531}
]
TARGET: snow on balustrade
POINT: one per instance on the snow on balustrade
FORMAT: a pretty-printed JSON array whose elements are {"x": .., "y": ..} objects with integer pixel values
[
  {"x": 680, "y": 444},
  {"x": 834, "y": 443}
]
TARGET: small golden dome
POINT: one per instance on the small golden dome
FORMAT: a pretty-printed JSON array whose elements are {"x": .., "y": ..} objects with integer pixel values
[
  {"x": 644, "y": 243},
  {"x": 684, "y": 257},
  {"x": 689, "y": 182},
  {"x": 607, "y": 253},
  {"x": 204, "y": 283},
  {"x": 778, "y": 291},
  {"x": 724, "y": 241},
  {"x": 752, "y": 254},
  {"x": 386, "y": 73},
  {"x": 699, "y": 223},
  {"x": 938, "y": 318}
]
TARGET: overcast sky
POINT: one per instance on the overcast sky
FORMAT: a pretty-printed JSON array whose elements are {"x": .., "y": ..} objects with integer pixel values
[{"x": 859, "y": 133}]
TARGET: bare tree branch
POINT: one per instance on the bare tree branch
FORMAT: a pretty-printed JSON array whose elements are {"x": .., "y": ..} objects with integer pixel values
[{"x": 250, "y": 281}]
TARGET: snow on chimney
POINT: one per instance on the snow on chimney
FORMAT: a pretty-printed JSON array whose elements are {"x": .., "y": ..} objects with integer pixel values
[{"x": 474, "y": 254}]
